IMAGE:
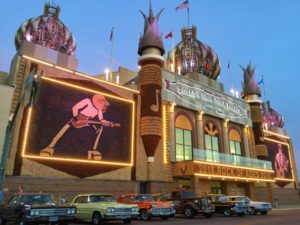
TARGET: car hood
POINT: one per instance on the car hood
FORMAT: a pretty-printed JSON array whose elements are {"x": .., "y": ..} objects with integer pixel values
[{"x": 49, "y": 205}]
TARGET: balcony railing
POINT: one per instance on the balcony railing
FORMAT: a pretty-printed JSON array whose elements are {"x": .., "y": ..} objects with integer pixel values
[{"x": 236, "y": 160}]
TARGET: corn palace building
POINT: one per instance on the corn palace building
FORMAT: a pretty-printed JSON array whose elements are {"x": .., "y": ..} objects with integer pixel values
[{"x": 169, "y": 126}]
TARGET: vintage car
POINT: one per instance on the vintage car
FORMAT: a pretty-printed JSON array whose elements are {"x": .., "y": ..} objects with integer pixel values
[
  {"x": 189, "y": 205},
  {"x": 103, "y": 207},
  {"x": 36, "y": 208},
  {"x": 148, "y": 207},
  {"x": 227, "y": 207},
  {"x": 254, "y": 207}
]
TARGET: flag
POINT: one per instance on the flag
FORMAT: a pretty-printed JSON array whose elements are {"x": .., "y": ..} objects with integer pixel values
[
  {"x": 183, "y": 5},
  {"x": 169, "y": 35},
  {"x": 111, "y": 34},
  {"x": 261, "y": 81},
  {"x": 228, "y": 65}
]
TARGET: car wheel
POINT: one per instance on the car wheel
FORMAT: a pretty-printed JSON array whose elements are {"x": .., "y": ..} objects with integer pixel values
[
  {"x": 97, "y": 218},
  {"x": 227, "y": 212},
  {"x": 208, "y": 215},
  {"x": 189, "y": 212},
  {"x": 252, "y": 211},
  {"x": 127, "y": 221},
  {"x": 144, "y": 215},
  {"x": 164, "y": 217},
  {"x": 264, "y": 212},
  {"x": 2, "y": 220},
  {"x": 22, "y": 220}
]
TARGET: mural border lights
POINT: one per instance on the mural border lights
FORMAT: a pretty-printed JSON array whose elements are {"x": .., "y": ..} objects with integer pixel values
[
  {"x": 28, "y": 121},
  {"x": 290, "y": 158}
]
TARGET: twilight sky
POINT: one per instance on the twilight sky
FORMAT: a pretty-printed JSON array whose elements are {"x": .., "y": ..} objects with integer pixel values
[{"x": 267, "y": 32}]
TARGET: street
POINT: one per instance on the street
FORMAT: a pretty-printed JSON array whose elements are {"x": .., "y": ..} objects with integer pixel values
[{"x": 276, "y": 217}]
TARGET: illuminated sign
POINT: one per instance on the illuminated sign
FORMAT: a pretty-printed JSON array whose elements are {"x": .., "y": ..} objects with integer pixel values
[
  {"x": 74, "y": 123},
  {"x": 221, "y": 171},
  {"x": 204, "y": 100},
  {"x": 279, "y": 156}
]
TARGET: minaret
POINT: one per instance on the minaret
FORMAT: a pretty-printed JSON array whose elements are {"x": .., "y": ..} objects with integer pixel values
[
  {"x": 251, "y": 94},
  {"x": 151, "y": 62}
]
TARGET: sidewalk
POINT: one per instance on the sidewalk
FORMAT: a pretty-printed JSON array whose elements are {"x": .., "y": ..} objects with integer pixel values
[{"x": 286, "y": 207}]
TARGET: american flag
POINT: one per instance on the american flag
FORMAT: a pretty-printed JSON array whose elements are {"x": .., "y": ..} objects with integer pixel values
[{"x": 183, "y": 5}]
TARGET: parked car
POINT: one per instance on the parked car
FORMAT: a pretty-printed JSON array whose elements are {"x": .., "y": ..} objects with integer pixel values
[
  {"x": 189, "y": 205},
  {"x": 103, "y": 207},
  {"x": 254, "y": 207},
  {"x": 227, "y": 207},
  {"x": 148, "y": 207},
  {"x": 35, "y": 208}
]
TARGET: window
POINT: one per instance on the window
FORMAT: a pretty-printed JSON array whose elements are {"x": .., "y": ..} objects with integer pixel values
[
  {"x": 81, "y": 199},
  {"x": 211, "y": 139},
  {"x": 216, "y": 188},
  {"x": 183, "y": 135},
  {"x": 235, "y": 146},
  {"x": 183, "y": 144}
]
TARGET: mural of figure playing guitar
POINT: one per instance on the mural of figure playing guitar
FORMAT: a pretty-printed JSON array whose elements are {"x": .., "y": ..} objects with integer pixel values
[{"x": 86, "y": 113}]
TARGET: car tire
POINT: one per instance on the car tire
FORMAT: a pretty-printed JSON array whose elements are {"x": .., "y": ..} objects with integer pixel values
[
  {"x": 264, "y": 212},
  {"x": 208, "y": 215},
  {"x": 22, "y": 220},
  {"x": 2, "y": 220},
  {"x": 227, "y": 213},
  {"x": 252, "y": 211},
  {"x": 164, "y": 217},
  {"x": 144, "y": 215},
  {"x": 97, "y": 218},
  {"x": 189, "y": 212},
  {"x": 127, "y": 221}
]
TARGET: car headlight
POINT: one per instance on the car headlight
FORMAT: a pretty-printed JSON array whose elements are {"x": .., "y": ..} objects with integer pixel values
[
  {"x": 172, "y": 205},
  {"x": 73, "y": 211},
  {"x": 196, "y": 201},
  {"x": 110, "y": 209},
  {"x": 134, "y": 209},
  {"x": 153, "y": 206},
  {"x": 34, "y": 212}
]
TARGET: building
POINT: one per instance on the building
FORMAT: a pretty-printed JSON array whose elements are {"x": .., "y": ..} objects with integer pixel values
[{"x": 171, "y": 126}]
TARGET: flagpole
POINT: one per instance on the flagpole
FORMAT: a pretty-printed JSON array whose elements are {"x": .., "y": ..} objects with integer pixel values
[
  {"x": 188, "y": 11},
  {"x": 111, "y": 54},
  {"x": 173, "y": 51},
  {"x": 264, "y": 88},
  {"x": 230, "y": 77}
]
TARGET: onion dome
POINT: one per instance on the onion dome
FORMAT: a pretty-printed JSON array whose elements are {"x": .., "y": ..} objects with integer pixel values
[
  {"x": 151, "y": 36},
  {"x": 191, "y": 55},
  {"x": 271, "y": 117},
  {"x": 250, "y": 86},
  {"x": 47, "y": 30}
]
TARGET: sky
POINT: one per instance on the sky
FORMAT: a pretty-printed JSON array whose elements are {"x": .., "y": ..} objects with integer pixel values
[{"x": 265, "y": 32}]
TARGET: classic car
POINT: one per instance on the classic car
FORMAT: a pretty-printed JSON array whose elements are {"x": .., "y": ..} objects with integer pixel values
[
  {"x": 254, "y": 207},
  {"x": 148, "y": 207},
  {"x": 227, "y": 207},
  {"x": 189, "y": 205},
  {"x": 103, "y": 207},
  {"x": 35, "y": 208}
]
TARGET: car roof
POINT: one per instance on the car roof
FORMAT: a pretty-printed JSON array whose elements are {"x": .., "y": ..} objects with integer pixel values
[{"x": 93, "y": 194}]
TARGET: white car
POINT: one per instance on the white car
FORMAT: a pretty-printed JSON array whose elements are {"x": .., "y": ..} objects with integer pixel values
[{"x": 254, "y": 207}]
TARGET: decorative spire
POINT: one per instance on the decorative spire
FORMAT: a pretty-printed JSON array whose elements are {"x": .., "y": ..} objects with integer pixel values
[
  {"x": 151, "y": 36},
  {"x": 250, "y": 86}
]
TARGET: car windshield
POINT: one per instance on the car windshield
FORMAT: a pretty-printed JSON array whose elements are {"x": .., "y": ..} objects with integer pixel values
[
  {"x": 102, "y": 198},
  {"x": 244, "y": 199},
  {"x": 38, "y": 199},
  {"x": 186, "y": 194},
  {"x": 221, "y": 198},
  {"x": 144, "y": 198}
]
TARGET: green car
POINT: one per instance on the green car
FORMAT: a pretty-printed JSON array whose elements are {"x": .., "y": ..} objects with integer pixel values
[{"x": 103, "y": 207}]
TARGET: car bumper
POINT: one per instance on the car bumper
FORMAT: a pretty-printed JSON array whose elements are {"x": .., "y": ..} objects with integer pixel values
[
  {"x": 120, "y": 216},
  {"x": 162, "y": 212},
  {"x": 47, "y": 219},
  {"x": 263, "y": 209},
  {"x": 239, "y": 210}
]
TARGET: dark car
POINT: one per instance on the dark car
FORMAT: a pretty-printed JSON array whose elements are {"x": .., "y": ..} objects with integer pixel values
[
  {"x": 227, "y": 207},
  {"x": 189, "y": 205},
  {"x": 36, "y": 208}
]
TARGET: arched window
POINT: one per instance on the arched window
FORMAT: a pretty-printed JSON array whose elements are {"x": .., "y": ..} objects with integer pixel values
[
  {"x": 235, "y": 145},
  {"x": 211, "y": 137},
  {"x": 184, "y": 148}
]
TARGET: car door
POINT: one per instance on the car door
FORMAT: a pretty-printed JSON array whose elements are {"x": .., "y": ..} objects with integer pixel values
[
  {"x": 82, "y": 209},
  {"x": 13, "y": 209}
]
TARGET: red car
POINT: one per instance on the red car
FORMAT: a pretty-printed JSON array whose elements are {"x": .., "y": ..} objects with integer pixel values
[{"x": 148, "y": 207}]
